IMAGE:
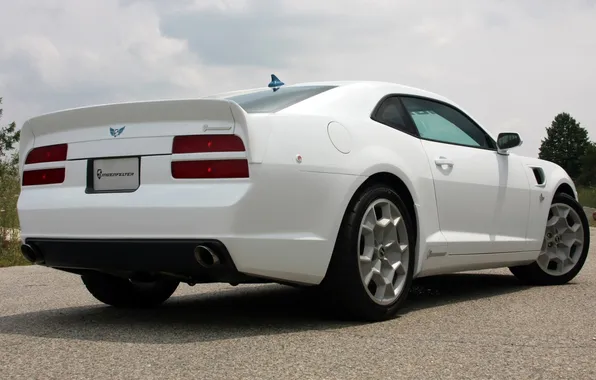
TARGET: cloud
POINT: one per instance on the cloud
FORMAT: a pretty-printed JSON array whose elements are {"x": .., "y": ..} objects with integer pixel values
[
  {"x": 261, "y": 35},
  {"x": 511, "y": 64},
  {"x": 90, "y": 46}
]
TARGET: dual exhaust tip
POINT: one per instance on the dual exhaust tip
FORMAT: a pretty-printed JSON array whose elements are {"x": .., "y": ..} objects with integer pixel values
[
  {"x": 206, "y": 257},
  {"x": 31, "y": 254}
]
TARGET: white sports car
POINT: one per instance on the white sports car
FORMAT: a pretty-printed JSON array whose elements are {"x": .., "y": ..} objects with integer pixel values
[{"x": 354, "y": 187}]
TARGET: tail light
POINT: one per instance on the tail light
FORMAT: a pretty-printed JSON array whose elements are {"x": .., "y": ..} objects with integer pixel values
[
  {"x": 207, "y": 144},
  {"x": 43, "y": 176},
  {"x": 51, "y": 153},
  {"x": 45, "y": 154},
  {"x": 209, "y": 168}
]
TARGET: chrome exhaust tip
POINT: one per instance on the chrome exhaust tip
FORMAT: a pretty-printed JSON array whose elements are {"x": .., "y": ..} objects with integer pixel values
[{"x": 206, "y": 257}]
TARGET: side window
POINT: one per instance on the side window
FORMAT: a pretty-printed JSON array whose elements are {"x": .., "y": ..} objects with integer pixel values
[
  {"x": 390, "y": 112},
  {"x": 438, "y": 122}
]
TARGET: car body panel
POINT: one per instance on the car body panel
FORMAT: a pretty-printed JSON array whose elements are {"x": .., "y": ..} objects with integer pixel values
[{"x": 482, "y": 199}]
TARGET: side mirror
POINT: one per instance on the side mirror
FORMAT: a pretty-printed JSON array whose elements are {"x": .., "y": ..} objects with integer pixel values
[{"x": 508, "y": 140}]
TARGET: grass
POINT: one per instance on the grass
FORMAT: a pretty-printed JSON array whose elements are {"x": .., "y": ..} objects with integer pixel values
[
  {"x": 10, "y": 253},
  {"x": 587, "y": 196}
]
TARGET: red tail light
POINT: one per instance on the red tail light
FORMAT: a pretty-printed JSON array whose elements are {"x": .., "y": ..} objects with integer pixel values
[
  {"x": 43, "y": 176},
  {"x": 207, "y": 143},
  {"x": 49, "y": 153},
  {"x": 210, "y": 169},
  {"x": 223, "y": 167}
]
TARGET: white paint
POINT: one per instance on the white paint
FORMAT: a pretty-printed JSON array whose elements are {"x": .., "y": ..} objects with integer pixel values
[
  {"x": 283, "y": 221},
  {"x": 339, "y": 136}
]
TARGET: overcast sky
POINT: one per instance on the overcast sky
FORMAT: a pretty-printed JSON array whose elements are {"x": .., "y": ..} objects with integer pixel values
[{"x": 513, "y": 64}]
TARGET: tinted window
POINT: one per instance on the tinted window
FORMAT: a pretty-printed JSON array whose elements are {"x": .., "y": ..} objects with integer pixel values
[
  {"x": 391, "y": 113},
  {"x": 438, "y": 122},
  {"x": 263, "y": 101}
]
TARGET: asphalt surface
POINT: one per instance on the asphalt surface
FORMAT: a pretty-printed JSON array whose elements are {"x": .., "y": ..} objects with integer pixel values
[{"x": 480, "y": 325}]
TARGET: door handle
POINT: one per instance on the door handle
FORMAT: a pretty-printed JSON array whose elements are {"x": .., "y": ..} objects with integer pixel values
[{"x": 443, "y": 161}]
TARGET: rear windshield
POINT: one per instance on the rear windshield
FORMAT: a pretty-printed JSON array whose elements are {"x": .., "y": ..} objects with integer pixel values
[{"x": 264, "y": 101}]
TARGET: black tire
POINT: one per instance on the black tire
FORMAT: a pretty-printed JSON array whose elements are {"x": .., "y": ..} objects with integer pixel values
[
  {"x": 532, "y": 274},
  {"x": 342, "y": 284},
  {"x": 122, "y": 293}
]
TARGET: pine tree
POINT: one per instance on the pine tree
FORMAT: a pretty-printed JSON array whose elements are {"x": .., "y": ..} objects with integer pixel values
[{"x": 565, "y": 144}]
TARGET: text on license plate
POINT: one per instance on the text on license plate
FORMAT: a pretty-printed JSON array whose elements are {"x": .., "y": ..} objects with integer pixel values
[{"x": 116, "y": 174}]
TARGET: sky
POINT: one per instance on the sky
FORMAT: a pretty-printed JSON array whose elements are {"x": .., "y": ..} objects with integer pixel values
[{"x": 512, "y": 64}]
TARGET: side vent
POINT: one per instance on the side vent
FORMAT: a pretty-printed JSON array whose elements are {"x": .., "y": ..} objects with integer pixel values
[{"x": 539, "y": 175}]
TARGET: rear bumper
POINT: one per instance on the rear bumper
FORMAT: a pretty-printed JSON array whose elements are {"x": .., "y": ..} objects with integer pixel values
[
  {"x": 281, "y": 224},
  {"x": 130, "y": 257}
]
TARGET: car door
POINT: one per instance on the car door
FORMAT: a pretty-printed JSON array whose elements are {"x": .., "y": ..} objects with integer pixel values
[{"x": 482, "y": 196}]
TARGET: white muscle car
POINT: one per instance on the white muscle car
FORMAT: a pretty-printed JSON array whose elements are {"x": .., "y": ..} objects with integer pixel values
[{"x": 354, "y": 187}]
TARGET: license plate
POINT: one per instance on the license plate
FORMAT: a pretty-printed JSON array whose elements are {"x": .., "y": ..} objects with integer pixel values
[{"x": 116, "y": 174}]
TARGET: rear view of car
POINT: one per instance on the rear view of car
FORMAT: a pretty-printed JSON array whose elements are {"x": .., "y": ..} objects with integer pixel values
[{"x": 137, "y": 197}]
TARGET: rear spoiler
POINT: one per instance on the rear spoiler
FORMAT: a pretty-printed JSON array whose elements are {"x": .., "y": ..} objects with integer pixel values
[{"x": 221, "y": 111}]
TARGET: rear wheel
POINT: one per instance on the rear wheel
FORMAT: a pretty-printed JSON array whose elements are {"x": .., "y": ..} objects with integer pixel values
[
  {"x": 372, "y": 265},
  {"x": 125, "y": 293},
  {"x": 564, "y": 247}
]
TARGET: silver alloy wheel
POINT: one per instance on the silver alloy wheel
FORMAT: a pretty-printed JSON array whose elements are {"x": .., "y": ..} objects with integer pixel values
[
  {"x": 383, "y": 250},
  {"x": 563, "y": 240}
]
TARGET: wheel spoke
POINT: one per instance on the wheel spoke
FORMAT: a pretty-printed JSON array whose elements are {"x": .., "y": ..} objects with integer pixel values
[
  {"x": 391, "y": 246},
  {"x": 370, "y": 221},
  {"x": 366, "y": 268},
  {"x": 399, "y": 268},
  {"x": 562, "y": 253},
  {"x": 368, "y": 251},
  {"x": 575, "y": 228},
  {"x": 389, "y": 290},
  {"x": 552, "y": 221},
  {"x": 568, "y": 241},
  {"x": 387, "y": 272},
  {"x": 544, "y": 259},
  {"x": 384, "y": 222},
  {"x": 386, "y": 211},
  {"x": 372, "y": 272},
  {"x": 561, "y": 211}
]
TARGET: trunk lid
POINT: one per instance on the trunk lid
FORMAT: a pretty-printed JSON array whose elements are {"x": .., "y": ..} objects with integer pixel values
[{"x": 139, "y": 128}]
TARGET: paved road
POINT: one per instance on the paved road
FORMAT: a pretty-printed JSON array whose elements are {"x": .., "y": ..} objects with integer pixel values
[{"x": 481, "y": 325}]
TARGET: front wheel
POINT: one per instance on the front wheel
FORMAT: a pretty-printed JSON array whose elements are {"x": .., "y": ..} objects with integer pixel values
[
  {"x": 564, "y": 247},
  {"x": 125, "y": 293},
  {"x": 373, "y": 261}
]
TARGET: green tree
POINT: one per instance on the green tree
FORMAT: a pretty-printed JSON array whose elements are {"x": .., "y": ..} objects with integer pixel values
[
  {"x": 9, "y": 137},
  {"x": 565, "y": 144},
  {"x": 588, "y": 162}
]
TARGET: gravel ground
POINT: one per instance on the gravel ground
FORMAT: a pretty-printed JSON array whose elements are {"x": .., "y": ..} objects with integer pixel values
[{"x": 480, "y": 325}]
